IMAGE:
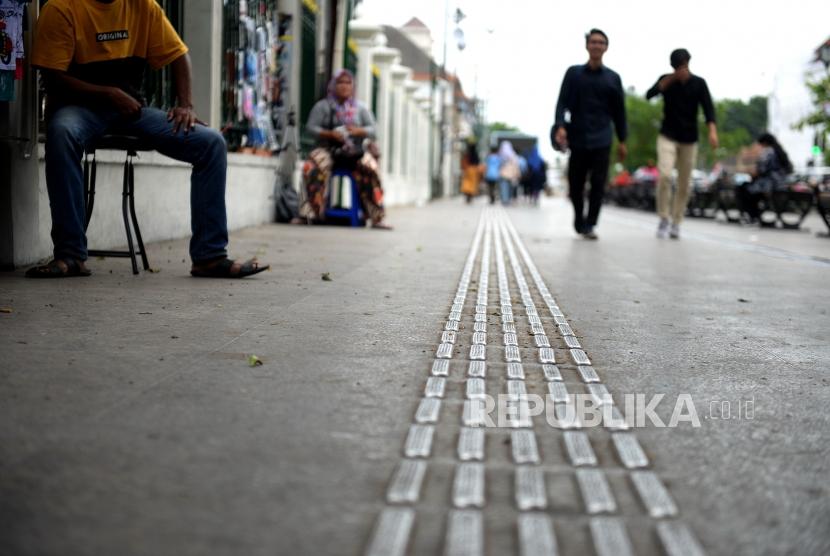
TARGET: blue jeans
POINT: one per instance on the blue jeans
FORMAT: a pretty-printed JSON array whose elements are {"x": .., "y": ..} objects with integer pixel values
[
  {"x": 72, "y": 128},
  {"x": 506, "y": 190}
]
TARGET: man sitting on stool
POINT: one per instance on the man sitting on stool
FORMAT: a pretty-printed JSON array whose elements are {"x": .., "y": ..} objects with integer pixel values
[{"x": 92, "y": 56}]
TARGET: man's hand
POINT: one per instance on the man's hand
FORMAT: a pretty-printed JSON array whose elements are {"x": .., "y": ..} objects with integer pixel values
[
  {"x": 622, "y": 152},
  {"x": 562, "y": 138},
  {"x": 183, "y": 117},
  {"x": 713, "y": 137},
  {"x": 682, "y": 73},
  {"x": 124, "y": 103}
]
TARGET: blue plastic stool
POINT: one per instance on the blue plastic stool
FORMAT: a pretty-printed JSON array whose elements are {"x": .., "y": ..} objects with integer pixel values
[{"x": 353, "y": 213}]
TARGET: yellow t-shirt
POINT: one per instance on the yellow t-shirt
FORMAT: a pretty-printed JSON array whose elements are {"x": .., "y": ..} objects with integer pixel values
[{"x": 105, "y": 43}]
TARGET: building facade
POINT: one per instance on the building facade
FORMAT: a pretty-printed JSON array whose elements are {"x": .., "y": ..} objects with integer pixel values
[{"x": 258, "y": 67}]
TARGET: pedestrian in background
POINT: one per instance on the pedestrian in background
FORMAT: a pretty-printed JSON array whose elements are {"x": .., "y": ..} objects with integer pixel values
[
  {"x": 770, "y": 173},
  {"x": 536, "y": 176},
  {"x": 471, "y": 170},
  {"x": 682, "y": 93},
  {"x": 592, "y": 97},
  {"x": 492, "y": 167},
  {"x": 509, "y": 172}
]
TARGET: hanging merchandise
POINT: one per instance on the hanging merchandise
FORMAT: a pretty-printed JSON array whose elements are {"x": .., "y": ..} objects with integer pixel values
[
  {"x": 250, "y": 90},
  {"x": 12, "y": 17}
]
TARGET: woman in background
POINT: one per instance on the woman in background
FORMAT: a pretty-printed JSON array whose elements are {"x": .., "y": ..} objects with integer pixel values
[
  {"x": 509, "y": 172},
  {"x": 471, "y": 171},
  {"x": 342, "y": 125},
  {"x": 536, "y": 179},
  {"x": 770, "y": 173}
]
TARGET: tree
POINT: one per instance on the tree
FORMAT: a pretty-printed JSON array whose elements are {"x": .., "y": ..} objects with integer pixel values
[
  {"x": 739, "y": 123},
  {"x": 501, "y": 126},
  {"x": 643, "y": 126},
  {"x": 820, "y": 117}
]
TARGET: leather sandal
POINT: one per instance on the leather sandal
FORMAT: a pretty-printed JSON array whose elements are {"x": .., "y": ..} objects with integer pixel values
[{"x": 54, "y": 270}]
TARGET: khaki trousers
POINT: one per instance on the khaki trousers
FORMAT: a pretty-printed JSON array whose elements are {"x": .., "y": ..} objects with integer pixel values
[{"x": 669, "y": 154}]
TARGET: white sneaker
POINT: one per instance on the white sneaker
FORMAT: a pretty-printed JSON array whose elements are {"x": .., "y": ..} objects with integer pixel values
[
  {"x": 674, "y": 232},
  {"x": 663, "y": 229}
]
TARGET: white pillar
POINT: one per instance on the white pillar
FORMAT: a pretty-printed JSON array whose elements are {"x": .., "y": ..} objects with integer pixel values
[
  {"x": 423, "y": 148},
  {"x": 449, "y": 143},
  {"x": 365, "y": 37},
  {"x": 399, "y": 75},
  {"x": 383, "y": 58},
  {"x": 411, "y": 140}
]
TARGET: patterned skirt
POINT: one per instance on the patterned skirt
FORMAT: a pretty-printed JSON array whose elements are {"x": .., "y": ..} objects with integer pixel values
[{"x": 316, "y": 173}]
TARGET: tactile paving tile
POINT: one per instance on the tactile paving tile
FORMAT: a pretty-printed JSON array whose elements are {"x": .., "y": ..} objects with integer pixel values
[
  {"x": 678, "y": 539},
  {"x": 610, "y": 537},
  {"x": 419, "y": 441},
  {"x": 530, "y": 489},
  {"x": 524, "y": 447},
  {"x": 406, "y": 483},
  {"x": 391, "y": 535},
  {"x": 471, "y": 444},
  {"x": 477, "y": 369},
  {"x": 468, "y": 487},
  {"x": 536, "y": 536},
  {"x": 465, "y": 534},
  {"x": 595, "y": 491}
]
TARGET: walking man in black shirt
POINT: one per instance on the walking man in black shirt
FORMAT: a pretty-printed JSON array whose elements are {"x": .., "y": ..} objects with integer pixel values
[
  {"x": 591, "y": 98},
  {"x": 677, "y": 143}
]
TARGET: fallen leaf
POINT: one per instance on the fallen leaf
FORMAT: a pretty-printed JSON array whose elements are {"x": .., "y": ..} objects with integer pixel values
[
  {"x": 326, "y": 277},
  {"x": 742, "y": 300},
  {"x": 254, "y": 361},
  {"x": 6, "y": 310},
  {"x": 145, "y": 313}
]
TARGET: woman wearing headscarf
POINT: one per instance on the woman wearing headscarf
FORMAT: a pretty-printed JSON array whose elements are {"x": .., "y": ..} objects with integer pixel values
[
  {"x": 342, "y": 126},
  {"x": 471, "y": 171},
  {"x": 509, "y": 173},
  {"x": 536, "y": 174}
]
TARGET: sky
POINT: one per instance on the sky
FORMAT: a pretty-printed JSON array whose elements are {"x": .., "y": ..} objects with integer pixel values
[{"x": 517, "y": 51}]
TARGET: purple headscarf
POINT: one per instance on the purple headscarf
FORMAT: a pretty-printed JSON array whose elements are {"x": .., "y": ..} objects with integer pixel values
[
  {"x": 506, "y": 152},
  {"x": 346, "y": 112}
]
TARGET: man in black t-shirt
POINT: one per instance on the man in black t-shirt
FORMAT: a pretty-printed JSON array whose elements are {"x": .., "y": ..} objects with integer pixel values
[{"x": 682, "y": 93}]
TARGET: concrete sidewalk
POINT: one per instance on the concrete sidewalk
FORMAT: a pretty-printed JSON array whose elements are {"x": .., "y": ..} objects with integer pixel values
[{"x": 131, "y": 423}]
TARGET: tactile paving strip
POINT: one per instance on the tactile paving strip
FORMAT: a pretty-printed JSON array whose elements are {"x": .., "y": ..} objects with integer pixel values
[{"x": 527, "y": 328}]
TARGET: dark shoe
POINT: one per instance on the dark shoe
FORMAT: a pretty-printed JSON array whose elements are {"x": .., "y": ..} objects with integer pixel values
[
  {"x": 54, "y": 269},
  {"x": 223, "y": 268}
]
